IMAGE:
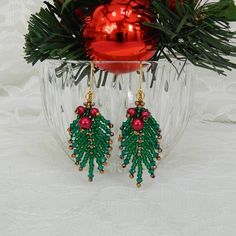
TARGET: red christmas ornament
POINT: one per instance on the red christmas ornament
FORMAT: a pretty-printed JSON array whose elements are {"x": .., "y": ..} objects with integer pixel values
[
  {"x": 85, "y": 123},
  {"x": 172, "y": 4},
  {"x": 137, "y": 124},
  {"x": 80, "y": 110},
  {"x": 94, "y": 112},
  {"x": 116, "y": 32},
  {"x": 131, "y": 112},
  {"x": 145, "y": 114},
  {"x": 133, "y": 3}
]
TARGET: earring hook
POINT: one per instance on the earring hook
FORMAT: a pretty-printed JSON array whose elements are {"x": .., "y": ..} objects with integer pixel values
[
  {"x": 90, "y": 93},
  {"x": 140, "y": 94}
]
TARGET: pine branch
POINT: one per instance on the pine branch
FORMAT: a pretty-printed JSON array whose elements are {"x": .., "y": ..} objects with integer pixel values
[{"x": 202, "y": 37}]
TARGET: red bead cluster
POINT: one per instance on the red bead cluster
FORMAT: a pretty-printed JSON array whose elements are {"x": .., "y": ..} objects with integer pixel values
[
  {"x": 138, "y": 123},
  {"x": 85, "y": 122}
]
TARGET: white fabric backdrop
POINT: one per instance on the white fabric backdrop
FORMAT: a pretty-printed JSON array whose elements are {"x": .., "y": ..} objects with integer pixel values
[{"x": 41, "y": 193}]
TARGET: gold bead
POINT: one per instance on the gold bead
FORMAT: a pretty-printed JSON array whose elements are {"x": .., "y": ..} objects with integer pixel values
[
  {"x": 102, "y": 172},
  {"x": 123, "y": 165},
  {"x": 80, "y": 169},
  {"x": 73, "y": 156},
  {"x": 70, "y": 142},
  {"x": 131, "y": 176},
  {"x": 70, "y": 148},
  {"x": 69, "y": 129},
  {"x": 111, "y": 141},
  {"x": 120, "y": 138},
  {"x": 159, "y": 137},
  {"x": 158, "y": 158},
  {"x": 105, "y": 164},
  {"x": 152, "y": 176},
  {"x": 138, "y": 185}
]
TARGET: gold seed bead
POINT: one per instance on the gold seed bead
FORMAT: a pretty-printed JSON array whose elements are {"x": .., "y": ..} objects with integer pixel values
[
  {"x": 158, "y": 158},
  {"x": 73, "y": 156},
  {"x": 70, "y": 148},
  {"x": 131, "y": 176},
  {"x": 70, "y": 142},
  {"x": 123, "y": 165},
  {"x": 80, "y": 169},
  {"x": 138, "y": 185},
  {"x": 102, "y": 172},
  {"x": 120, "y": 138}
]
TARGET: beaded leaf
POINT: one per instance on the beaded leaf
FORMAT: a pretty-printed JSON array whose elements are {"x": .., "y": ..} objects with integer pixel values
[
  {"x": 90, "y": 140},
  {"x": 140, "y": 143}
]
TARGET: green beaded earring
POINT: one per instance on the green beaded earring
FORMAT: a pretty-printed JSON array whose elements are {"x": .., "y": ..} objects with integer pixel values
[
  {"x": 90, "y": 135},
  {"x": 140, "y": 136}
]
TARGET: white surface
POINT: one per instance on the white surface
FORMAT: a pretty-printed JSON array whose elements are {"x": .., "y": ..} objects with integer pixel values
[{"x": 42, "y": 193}]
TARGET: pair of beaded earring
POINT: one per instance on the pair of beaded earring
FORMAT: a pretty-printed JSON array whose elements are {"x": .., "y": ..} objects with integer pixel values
[{"x": 91, "y": 137}]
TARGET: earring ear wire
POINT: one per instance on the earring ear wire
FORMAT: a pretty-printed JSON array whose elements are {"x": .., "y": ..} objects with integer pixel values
[
  {"x": 140, "y": 135},
  {"x": 90, "y": 134}
]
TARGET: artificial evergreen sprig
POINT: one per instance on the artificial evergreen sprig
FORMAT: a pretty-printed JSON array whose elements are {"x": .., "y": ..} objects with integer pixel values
[{"x": 196, "y": 32}]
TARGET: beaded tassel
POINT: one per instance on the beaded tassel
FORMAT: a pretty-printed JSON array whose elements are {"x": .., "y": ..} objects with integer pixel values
[{"x": 90, "y": 139}]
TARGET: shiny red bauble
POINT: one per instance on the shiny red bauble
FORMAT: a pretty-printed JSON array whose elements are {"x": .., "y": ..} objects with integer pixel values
[
  {"x": 131, "y": 112},
  {"x": 145, "y": 114},
  {"x": 137, "y": 124},
  {"x": 85, "y": 123},
  {"x": 133, "y": 3},
  {"x": 94, "y": 112},
  {"x": 80, "y": 110},
  {"x": 115, "y": 32}
]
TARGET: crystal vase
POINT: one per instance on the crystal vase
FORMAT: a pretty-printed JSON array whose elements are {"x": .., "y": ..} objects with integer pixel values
[{"x": 167, "y": 88}]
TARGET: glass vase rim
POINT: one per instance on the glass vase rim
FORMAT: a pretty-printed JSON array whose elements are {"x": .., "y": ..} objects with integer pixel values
[{"x": 160, "y": 61}]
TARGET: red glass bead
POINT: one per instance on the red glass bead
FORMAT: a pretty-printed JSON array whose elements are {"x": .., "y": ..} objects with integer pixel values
[
  {"x": 145, "y": 114},
  {"x": 85, "y": 123},
  {"x": 94, "y": 112},
  {"x": 137, "y": 124},
  {"x": 131, "y": 112},
  {"x": 80, "y": 110}
]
